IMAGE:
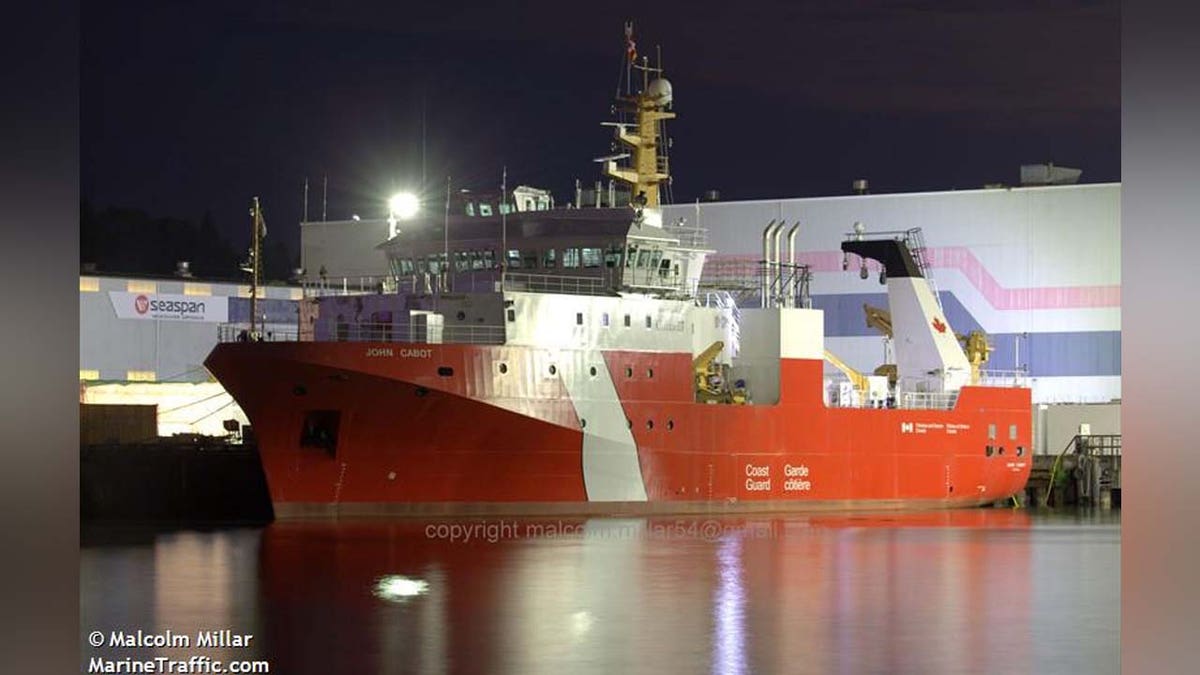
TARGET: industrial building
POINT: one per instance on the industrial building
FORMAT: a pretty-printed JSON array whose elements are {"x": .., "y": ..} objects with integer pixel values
[
  {"x": 1038, "y": 269},
  {"x": 144, "y": 341}
]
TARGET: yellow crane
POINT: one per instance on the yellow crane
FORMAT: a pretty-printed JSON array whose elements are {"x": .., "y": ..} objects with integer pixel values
[
  {"x": 710, "y": 381},
  {"x": 975, "y": 344},
  {"x": 856, "y": 378}
]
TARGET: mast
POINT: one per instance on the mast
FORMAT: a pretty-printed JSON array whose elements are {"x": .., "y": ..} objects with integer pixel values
[
  {"x": 259, "y": 228},
  {"x": 647, "y": 168}
]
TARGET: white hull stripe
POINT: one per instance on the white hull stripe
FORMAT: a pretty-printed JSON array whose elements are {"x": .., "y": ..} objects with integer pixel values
[{"x": 611, "y": 471}]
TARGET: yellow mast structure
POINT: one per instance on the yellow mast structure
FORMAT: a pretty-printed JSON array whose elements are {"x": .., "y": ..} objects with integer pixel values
[{"x": 647, "y": 168}]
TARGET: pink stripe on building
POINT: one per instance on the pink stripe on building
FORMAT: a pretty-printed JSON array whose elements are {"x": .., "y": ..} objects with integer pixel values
[{"x": 961, "y": 259}]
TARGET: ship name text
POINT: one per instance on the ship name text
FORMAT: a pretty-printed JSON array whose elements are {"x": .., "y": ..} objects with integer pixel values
[{"x": 403, "y": 353}]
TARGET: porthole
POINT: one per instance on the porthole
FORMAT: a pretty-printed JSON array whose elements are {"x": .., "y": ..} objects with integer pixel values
[
  {"x": 503, "y": 368},
  {"x": 592, "y": 371},
  {"x": 553, "y": 369},
  {"x": 988, "y": 451},
  {"x": 461, "y": 316},
  {"x": 1020, "y": 451},
  {"x": 421, "y": 392},
  {"x": 670, "y": 425},
  {"x": 628, "y": 423},
  {"x": 582, "y": 423},
  {"x": 628, "y": 371},
  {"x": 1000, "y": 451},
  {"x": 445, "y": 371},
  {"x": 649, "y": 372},
  {"x": 649, "y": 424},
  {"x": 299, "y": 390}
]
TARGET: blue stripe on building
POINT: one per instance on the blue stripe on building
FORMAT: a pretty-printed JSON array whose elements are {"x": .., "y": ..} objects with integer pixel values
[{"x": 1063, "y": 354}]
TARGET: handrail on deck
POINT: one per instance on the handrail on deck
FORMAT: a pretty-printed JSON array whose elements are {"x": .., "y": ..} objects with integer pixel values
[
  {"x": 373, "y": 332},
  {"x": 556, "y": 283}
]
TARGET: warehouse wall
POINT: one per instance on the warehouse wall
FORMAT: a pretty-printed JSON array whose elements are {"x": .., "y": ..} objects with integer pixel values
[
  {"x": 123, "y": 349},
  {"x": 1038, "y": 269}
]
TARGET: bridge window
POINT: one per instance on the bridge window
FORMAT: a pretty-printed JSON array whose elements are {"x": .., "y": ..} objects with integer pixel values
[
  {"x": 612, "y": 257},
  {"x": 649, "y": 321},
  {"x": 485, "y": 209},
  {"x": 530, "y": 259},
  {"x": 548, "y": 258},
  {"x": 1012, "y": 432},
  {"x": 631, "y": 259},
  {"x": 578, "y": 318},
  {"x": 462, "y": 261},
  {"x": 604, "y": 319},
  {"x": 437, "y": 262},
  {"x": 570, "y": 257},
  {"x": 470, "y": 208},
  {"x": 514, "y": 258},
  {"x": 627, "y": 324},
  {"x": 592, "y": 257},
  {"x": 991, "y": 432}
]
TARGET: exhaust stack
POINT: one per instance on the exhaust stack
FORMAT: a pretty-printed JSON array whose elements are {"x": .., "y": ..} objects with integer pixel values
[
  {"x": 790, "y": 299},
  {"x": 766, "y": 267}
]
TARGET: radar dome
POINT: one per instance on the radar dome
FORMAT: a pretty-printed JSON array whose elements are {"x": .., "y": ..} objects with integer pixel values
[{"x": 660, "y": 91}]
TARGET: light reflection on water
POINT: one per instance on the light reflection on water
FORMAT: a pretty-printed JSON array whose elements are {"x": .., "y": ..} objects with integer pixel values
[{"x": 980, "y": 591}]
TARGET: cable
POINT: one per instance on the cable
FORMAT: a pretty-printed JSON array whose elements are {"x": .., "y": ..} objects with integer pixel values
[
  {"x": 197, "y": 421},
  {"x": 193, "y": 402}
]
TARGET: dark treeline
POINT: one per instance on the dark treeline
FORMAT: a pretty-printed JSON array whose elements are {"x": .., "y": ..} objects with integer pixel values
[{"x": 129, "y": 241}]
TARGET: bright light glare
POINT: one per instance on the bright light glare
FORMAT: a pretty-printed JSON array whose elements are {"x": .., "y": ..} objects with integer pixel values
[
  {"x": 398, "y": 589},
  {"x": 403, "y": 205}
]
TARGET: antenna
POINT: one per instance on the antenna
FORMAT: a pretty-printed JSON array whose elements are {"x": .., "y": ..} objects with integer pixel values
[
  {"x": 503, "y": 226},
  {"x": 305, "y": 218},
  {"x": 423, "y": 92},
  {"x": 324, "y": 196},
  {"x": 446, "y": 237}
]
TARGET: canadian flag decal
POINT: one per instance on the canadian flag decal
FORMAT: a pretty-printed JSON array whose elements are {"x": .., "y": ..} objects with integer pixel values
[{"x": 938, "y": 325}]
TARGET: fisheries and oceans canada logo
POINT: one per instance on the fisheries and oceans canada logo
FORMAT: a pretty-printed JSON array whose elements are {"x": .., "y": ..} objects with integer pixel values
[{"x": 142, "y": 304}]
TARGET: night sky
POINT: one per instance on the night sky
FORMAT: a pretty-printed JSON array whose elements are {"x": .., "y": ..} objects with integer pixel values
[{"x": 194, "y": 107}]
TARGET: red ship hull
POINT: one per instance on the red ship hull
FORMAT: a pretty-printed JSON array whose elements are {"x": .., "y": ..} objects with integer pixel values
[{"x": 409, "y": 437}]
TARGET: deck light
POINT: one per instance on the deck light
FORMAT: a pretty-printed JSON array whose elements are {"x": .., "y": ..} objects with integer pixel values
[{"x": 403, "y": 205}]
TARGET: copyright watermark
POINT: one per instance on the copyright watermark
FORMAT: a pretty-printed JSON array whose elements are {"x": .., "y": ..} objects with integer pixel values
[
  {"x": 493, "y": 531},
  {"x": 118, "y": 640}
]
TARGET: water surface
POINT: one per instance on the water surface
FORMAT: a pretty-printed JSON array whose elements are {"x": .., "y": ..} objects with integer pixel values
[{"x": 979, "y": 591}]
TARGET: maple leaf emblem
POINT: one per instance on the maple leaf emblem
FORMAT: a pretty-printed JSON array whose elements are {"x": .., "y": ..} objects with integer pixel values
[{"x": 938, "y": 325}]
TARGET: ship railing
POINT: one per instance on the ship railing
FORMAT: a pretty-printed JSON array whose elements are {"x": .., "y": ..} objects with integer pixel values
[
  {"x": 928, "y": 400},
  {"x": 1004, "y": 378},
  {"x": 371, "y": 332},
  {"x": 342, "y": 286},
  {"x": 240, "y": 332},
  {"x": 689, "y": 236},
  {"x": 556, "y": 283}
]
